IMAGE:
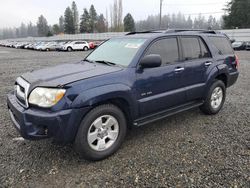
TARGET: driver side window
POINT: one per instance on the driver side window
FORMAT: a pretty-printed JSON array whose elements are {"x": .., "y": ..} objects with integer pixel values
[{"x": 167, "y": 49}]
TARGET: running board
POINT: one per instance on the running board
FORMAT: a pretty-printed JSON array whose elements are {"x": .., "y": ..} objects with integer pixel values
[{"x": 163, "y": 114}]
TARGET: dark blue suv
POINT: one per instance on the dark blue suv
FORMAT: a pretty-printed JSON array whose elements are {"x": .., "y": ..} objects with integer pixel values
[{"x": 127, "y": 81}]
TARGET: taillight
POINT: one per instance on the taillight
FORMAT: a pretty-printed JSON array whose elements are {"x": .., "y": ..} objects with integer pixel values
[{"x": 237, "y": 63}]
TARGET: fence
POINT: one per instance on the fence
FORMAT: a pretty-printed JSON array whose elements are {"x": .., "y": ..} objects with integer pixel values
[{"x": 237, "y": 34}]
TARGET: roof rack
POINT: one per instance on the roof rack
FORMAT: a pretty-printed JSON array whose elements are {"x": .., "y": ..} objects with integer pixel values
[
  {"x": 148, "y": 31},
  {"x": 191, "y": 30},
  {"x": 174, "y": 31}
]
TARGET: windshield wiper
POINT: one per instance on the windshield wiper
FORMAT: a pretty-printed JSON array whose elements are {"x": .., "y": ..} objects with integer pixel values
[
  {"x": 106, "y": 62},
  {"x": 90, "y": 61},
  {"x": 103, "y": 62}
]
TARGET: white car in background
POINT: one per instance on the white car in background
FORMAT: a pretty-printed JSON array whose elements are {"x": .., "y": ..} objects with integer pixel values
[{"x": 76, "y": 45}]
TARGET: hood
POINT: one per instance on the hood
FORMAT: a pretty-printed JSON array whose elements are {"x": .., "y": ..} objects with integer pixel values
[
  {"x": 67, "y": 73},
  {"x": 237, "y": 44}
]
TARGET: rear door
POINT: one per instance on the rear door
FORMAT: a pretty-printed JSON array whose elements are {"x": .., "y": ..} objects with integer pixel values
[
  {"x": 197, "y": 60},
  {"x": 161, "y": 87},
  {"x": 77, "y": 45}
]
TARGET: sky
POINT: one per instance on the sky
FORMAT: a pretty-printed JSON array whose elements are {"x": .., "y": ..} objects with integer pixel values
[{"x": 13, "y": 12}]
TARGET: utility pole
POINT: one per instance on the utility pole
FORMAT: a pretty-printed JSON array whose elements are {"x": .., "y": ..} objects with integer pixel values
[{"x": 160, "y": 13}]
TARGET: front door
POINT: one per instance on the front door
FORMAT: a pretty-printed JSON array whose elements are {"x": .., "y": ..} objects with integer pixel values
[{"x": 162, "y": 87}]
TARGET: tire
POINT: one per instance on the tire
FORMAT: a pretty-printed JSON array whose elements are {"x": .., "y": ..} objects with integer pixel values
[
  {"x": 100, "y": 146},
  {"x": 47, "y": 49},
  {"x": 215, "y": 98},
  {"x": 69, "y": 49},
  {"x": 85, "y": 48}
]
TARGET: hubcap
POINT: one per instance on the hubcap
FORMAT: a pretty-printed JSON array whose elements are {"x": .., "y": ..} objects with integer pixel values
[
  {"x": 216, "y": 97},
  {"x": 103, "y": 133}
]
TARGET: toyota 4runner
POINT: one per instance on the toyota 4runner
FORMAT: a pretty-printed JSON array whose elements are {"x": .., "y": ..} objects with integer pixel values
[{"x": 127, "y": 81}]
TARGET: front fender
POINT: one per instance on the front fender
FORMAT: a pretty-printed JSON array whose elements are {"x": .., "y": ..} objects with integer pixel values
[{"x": 104, "y": 93}]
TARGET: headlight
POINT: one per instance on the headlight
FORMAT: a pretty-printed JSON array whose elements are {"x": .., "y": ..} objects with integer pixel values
[{"x": 46, "y": 97}]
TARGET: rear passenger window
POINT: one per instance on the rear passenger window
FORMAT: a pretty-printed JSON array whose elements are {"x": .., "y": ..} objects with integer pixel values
[
  {"x": 194, "y": 48},
  {"x": 222, "y": 44},
  {"x": 167, "y": 49}
]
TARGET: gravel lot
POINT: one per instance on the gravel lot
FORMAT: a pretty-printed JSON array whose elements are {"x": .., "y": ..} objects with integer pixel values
[{"x": 186, "y": 150}]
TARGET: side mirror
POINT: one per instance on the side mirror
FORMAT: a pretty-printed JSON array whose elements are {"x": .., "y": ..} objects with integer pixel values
[{"x": 151, "y": 61}]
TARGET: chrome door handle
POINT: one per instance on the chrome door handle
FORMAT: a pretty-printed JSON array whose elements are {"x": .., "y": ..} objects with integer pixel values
[
  {"x": 208, "y": 63},
  {"x": 179, "y": 69}
]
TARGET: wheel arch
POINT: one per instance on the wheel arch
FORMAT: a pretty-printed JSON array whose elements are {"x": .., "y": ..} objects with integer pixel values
[
  {"x": 118, "y": 94},
  {"x": 223, "y": 77}
]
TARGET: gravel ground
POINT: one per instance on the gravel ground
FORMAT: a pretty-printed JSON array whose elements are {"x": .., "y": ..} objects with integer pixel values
[{"x": 185, "y": 150}]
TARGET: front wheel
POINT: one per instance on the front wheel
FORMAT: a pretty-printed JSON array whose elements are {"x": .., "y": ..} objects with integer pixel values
[
  {"x": 215, "y": 98},
  {"x": 101, "y": 132},
  {"x": 69, "y": 49},
  {"x": 85, "y": 48}
]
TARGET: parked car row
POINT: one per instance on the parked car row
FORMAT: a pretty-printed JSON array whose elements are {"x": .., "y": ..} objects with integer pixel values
[
  {"x": 52, "y": 45},
  {"x": 238, "y": 45}
]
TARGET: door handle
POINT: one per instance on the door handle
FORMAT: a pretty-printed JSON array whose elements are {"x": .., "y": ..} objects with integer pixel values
[
  {"x": 179, "y": 69},
  {"x": 208, "y": 63}
]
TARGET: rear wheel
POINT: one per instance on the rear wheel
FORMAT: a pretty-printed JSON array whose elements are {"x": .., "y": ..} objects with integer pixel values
[
  {"x": 101, "y": 132},
  {"x": 215, "y": 98}
]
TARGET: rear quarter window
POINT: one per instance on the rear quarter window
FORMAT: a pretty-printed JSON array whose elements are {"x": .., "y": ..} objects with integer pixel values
[{"x": 222, "y": 44}]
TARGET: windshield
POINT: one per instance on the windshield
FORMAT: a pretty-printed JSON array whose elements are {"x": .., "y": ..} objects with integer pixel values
[{"x": 118, "y": 51}]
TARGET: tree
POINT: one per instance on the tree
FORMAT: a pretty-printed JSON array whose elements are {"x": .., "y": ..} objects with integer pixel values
[
  {"x": 61, "y": 24},
  {"x": 101, "y": 24},
  {"x": 23, "y": 30},
  {"x": 116, "y": 16},
  {"x": 119, "y": 16},
  {"x": 129, "y": 23},
  {"x": 238, "y": 14},
  {"x": 69, "y": 27},
  {"x": 31, "y": 30},
  {"x": 85, "y": 22},
  {"x": 42, "y": 26},
  {"x": 49, "y": 34},
  {"x": 93, "y": 18},
  {"x": 189, "y": 23},
  {"x": 75, "y": 16},
  {"x": 178, "y": 21},
  {"x": 55, "y": 29}
]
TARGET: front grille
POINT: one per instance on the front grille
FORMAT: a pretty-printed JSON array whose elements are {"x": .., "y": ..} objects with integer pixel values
[{"x": 21, "y": 91}]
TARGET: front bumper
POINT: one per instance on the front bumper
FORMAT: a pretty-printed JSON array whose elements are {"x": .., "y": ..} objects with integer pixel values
[{"x": 34, "y": 124}]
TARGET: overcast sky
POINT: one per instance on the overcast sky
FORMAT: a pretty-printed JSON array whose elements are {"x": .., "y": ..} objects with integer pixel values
[{"x": 13, "y": 12}]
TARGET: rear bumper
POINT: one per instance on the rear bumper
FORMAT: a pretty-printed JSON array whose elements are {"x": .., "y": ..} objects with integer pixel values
[
  {"x": 232, "y": 78},
  {"x": 34, "y": 124}
]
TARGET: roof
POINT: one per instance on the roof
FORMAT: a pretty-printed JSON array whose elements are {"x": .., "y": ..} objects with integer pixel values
[{"x": 157, "y": 33}]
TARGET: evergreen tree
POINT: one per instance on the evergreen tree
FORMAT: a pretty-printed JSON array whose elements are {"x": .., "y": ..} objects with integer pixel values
[
  {"x": 129, "y": 23},
  {"x": 238, "y": 14},
  {"x": 93, "y": 18},
  {"x": 189, "y": 23},
  {"x": 69, "y": 27},
  {"x": 85, "y": 22},
  {"x": 42, "y": 26},
  {"x": 101, "y": 25},
  {"x": 23, "y": 30},
  {"x": 61, "y": 24},
  {"x": 75, "y": 16},
  {"x": 56, "y": 29}
]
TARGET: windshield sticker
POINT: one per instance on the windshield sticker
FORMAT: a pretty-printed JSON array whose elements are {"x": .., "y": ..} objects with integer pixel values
[{"x": 133, "y": 45}]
